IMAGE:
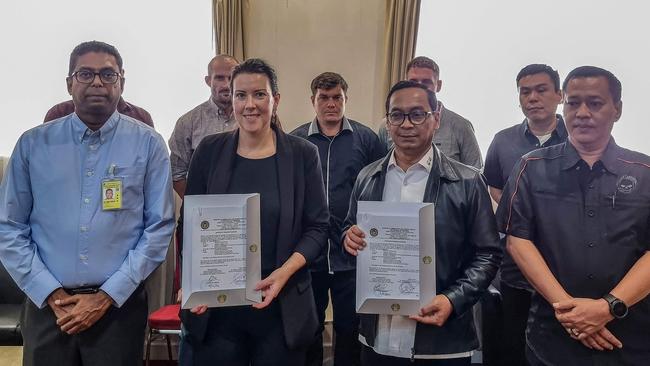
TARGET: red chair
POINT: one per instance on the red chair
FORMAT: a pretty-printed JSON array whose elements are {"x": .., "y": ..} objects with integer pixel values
[{"x": 165, "y": 321}]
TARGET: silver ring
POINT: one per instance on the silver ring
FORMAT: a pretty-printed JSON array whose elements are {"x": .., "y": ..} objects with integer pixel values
[{"x": 575, "y": 332}]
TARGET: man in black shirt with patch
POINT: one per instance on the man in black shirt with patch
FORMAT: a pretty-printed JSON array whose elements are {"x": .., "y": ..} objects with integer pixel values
[
  {"x": 577, "y": 216},
  {"x": 539, "y": 96}
]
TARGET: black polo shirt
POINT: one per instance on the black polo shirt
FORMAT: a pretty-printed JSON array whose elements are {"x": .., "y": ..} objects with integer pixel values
[
  {"x": 507, "y": 147},
  {"x": 591, "y": 226},
  {"x": 342, "y": 157}
]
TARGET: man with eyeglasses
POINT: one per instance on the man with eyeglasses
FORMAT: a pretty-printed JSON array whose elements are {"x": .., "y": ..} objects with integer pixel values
[
  {"x": 80, "y": 256},
  {"x": 467, "y": 244},
  {"x": 345, "y": 146},
  {"x": 65, "y": 108},
  {"x": 455, "y": 137}
]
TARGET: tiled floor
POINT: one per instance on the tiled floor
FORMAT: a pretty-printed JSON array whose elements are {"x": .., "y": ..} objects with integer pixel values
[{"x": 11, "y": 356}]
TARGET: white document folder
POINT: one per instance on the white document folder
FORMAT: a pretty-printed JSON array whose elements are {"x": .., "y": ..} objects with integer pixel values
[
  {"x": 219, "y": 230},
  {"x": 372, "y": 218}
]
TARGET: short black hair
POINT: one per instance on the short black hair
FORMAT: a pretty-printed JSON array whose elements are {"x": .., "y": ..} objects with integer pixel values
[
  {"x": 404, "y": 84},
  {"x": 327, "y": 81},
  {"x": 93, "y": 46},
  {"x": 533, "y": 69},
  {"x": 256, "y": 66},
  {"x": 615, "y": 87},
  {"x": 423, "y": 62}
]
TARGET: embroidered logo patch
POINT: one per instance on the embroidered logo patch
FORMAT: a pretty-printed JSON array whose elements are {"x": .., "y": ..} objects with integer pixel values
[{"x": 626, "y": 184}]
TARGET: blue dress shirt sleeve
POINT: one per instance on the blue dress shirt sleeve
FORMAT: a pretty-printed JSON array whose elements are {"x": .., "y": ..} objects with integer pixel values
[{"x": 18, "y": 253}]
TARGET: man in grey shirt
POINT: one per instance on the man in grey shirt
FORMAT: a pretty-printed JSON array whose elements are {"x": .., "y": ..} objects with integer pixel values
[
  {"x": 455, "y": 137},
  {"x": 210, "y": 117}
]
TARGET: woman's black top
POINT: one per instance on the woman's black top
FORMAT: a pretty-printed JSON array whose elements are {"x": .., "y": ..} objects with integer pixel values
[{"x": 261, "y": 176}]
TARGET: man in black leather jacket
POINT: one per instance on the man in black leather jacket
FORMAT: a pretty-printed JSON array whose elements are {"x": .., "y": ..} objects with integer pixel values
[{"x": 467, "y": 244}]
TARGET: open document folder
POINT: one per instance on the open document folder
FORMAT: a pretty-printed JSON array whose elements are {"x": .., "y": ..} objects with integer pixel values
[
  {"x": 396, "y": 272},
  {"x": 221, "y": 250}
]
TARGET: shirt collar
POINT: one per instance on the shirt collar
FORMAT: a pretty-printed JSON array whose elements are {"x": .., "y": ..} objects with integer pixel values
[
  {"x": 218, "y": 110},
  {"x": 426, "y": 162},
  {"x": 559, "y": 131},
  {"x": 81, "y": 131},
  {"x": 609, "y": 158},
  {"x": 314, "y": 129}
]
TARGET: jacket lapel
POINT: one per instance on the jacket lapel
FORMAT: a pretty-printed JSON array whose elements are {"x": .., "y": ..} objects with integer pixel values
[
  {"x": 285, "y": 163},
  {"x": 225, "y": 159}
]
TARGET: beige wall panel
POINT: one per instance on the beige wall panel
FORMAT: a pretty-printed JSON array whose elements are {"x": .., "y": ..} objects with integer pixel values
[{"x": 302, "y": 38}]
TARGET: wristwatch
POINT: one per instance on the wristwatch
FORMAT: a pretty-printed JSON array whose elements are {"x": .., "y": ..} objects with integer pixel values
[{"x": 617, "y": 307}]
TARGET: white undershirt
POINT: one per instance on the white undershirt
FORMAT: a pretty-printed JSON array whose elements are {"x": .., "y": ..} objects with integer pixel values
[
  {"x": 542, "y": 139},
  {"x": 395, "y": 333}
]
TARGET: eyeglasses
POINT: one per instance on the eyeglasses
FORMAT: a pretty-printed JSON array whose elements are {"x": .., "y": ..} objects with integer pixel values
[
  {"x": 87, "y": 76},
  {"x": 415, "y": 117}
]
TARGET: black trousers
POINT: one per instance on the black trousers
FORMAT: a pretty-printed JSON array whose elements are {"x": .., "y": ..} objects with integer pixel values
[
  {"x": 342, "y": 286},
  {"x": 371, "y": 358},
  {"x": 116, "y": 339},
  {"x": 243, "y": 336},
  {"x": 516, "y": 303}
]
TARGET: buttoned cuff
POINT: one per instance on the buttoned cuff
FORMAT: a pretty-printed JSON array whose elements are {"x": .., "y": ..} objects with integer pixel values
[
  {"x": 41, "y": 287},
  {"x": 119, "y": 287}
]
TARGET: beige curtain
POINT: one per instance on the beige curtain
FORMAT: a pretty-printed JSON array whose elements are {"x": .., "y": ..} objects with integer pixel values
[
  {"x": 402, "y": 18},
  {"x": 228, "y": 25}
]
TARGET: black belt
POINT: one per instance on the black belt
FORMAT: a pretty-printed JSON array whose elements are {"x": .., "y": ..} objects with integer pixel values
[{"x": 82, "y": 290}]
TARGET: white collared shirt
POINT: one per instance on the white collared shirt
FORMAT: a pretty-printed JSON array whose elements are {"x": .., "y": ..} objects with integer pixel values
[{"x": 395, "y": 333}]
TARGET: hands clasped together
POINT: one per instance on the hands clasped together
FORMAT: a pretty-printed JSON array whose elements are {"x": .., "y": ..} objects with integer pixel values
[
  {"x": 76, "y": 313},
  {"x": 585, "y": 320}
]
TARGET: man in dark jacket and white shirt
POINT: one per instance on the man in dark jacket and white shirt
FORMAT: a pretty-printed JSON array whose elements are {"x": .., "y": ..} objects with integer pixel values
[{"x": 467, "y": 244}]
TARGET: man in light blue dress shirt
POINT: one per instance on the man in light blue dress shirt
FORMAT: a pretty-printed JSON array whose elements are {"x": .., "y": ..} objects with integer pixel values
[{"x": 79, "y": 254}]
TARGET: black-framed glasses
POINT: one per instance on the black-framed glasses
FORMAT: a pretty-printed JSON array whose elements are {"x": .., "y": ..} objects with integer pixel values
[
  {"x": 87, "y": 76},
  {"x": 415, "y": 117}
]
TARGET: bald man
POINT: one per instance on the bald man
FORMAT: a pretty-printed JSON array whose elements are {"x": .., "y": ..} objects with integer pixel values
[{"x": 210, "y": 117}]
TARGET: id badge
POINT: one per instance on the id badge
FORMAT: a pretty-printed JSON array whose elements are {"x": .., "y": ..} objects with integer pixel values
[{"x": 112, "y": 194}]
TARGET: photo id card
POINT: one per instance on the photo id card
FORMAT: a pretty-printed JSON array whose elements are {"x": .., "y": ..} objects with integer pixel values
[{"x": 111, "y": 194}]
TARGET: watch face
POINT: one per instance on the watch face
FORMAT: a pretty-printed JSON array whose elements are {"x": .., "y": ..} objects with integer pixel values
[{"x": 619, "y": 309}]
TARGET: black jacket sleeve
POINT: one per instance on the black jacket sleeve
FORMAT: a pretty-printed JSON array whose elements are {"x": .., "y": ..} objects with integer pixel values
[
  {"x": 315, "y": 214},
  {"x": 483, "y": 236}
]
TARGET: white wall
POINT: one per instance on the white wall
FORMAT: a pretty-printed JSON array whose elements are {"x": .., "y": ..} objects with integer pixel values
[
  {"x": 481, "y": 46},
  {"x": 165, "y": 44}
]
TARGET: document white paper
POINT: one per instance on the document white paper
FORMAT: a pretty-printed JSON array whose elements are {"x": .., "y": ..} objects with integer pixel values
[
  {"x": 394, "y": 254},
  {"x": 396, "y": 270},
  {"x": 221, "y": 235}
]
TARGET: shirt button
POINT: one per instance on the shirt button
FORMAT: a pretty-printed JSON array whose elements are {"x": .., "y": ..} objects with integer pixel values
[
  {"x": 89, "y": 173},
  {"x": 86, "y": 200},
  {"x": 83, "y": 229},
  {"x": 591, "y": 213},
  {"x": 591, "y": 245},
  {"x": 591, "y": 277},
  {"x": 591, "y": 186},
  {"x": 83, "y": 257},
  {"x": 93, "y": 147},
  {"x": 578, "y": 167}
]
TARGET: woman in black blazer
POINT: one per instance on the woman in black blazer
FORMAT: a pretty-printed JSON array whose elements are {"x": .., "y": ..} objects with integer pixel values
[{"x": 285, "y": 170}]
